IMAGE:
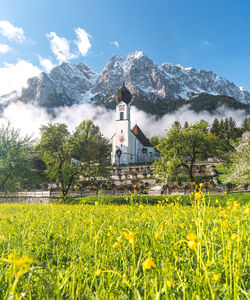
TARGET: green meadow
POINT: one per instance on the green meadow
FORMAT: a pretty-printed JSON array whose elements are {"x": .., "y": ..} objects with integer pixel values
[{"x": 134, "y": 250}]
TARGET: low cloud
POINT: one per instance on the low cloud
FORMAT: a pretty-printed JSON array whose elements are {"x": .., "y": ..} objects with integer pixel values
[
  {"x": 46, "y": 63},
  {"x": 83, "y": 41},
  {"x": 29, "y": 118},
  {"x": 115, "y": 43},
  {"x": 15, "y": 76},
  {"x": 60, "y": 47},
  {"x": 12, "y": 32},
  {"x": 4, "y": 48}
]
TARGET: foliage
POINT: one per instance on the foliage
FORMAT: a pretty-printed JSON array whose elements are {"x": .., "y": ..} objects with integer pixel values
[
  {"x": 165, "y": 251},
  {"x": 68, "y": 156},
  {"x": 240, "y": 169},
  {"x": 183, "y": 147},
  {"x": 16, "y": 169}
]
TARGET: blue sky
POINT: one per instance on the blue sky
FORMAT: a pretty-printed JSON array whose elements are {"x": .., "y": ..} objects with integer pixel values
[{"x": 38, "y": 34}]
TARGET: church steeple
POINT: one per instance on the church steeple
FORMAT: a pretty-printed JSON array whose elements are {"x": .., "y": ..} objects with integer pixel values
[{"x": 123, "y": 95}]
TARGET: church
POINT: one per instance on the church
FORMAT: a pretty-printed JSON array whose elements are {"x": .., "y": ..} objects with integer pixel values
[{"x": 129, "y": 146}]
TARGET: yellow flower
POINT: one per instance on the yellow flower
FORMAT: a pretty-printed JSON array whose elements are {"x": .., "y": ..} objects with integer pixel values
[
  {"x": 170, "y": 283},
  {"x": 157, "y": 235},
  {"x": 192, "y": 241},
  {"x": 234, "y": 237},
  {"x": 129, "y": 237},
  {"x": 148, "y": 264},
  {"x": 217, "y": 201},
  {"x": 222, "y": 214},
  {"x": 225, "y": 192},
  {"x": 247, "y": 211},
  {"x": 217, "y": 277},
  {"x": 181, "y": 225},
  {"x": 197, "y": 196},
  {"x": 111, "y": 228},
  {"x": 119, "y": 239},
  {"x": 96, "y": 238},
  {"x": 115, "y": 245},
  {"x": 224, "y": 224},
  {"x": 22, "y": 265},
  {"x": 201, "y": 185},
  {"x": 96, "y": 203},
  {"x": 143, "y": 215},
  {"x": 98, "y": 272}
]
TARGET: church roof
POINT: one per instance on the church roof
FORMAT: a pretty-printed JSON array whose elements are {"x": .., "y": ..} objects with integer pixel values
[
  {"x": 140, "y": 136},
  {"x": 123, "y": 94}
]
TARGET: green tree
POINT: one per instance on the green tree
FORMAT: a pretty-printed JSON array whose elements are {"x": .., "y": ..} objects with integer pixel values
[
  {"x": 215, "y": 128},
  {"x": 182, "y": 148},
  {"x": 240, "y": 169},
  {"x": 68, "y": 156},
  {"x": 245, "y": 126},
  {"x": 16, "y": 168},
  {"x": 154, "y": 140}
]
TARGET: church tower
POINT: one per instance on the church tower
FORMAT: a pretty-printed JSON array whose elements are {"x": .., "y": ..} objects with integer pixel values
[{"x": 121, "y": 139}]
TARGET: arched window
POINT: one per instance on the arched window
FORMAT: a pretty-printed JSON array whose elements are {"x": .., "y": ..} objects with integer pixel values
[{"x": 121, "y": 115}]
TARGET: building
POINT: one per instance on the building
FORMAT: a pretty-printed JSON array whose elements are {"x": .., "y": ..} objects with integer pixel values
[{"x": 128, "y": 146}]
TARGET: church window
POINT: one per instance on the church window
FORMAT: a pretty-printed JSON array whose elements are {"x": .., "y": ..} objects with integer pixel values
[{"x": 122, "y": 115}]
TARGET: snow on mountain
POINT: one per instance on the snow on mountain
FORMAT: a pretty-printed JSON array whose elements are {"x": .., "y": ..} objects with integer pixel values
[{"x": 69, "y": 83}]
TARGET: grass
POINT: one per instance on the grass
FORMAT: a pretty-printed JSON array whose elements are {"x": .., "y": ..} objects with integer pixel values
[
  {"x": 131, "y": 251},
  {"x": 214, "y": 200}
]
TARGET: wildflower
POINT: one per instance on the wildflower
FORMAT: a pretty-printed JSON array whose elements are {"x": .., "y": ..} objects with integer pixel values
[
  {"x": 129, "y": 237},
  {"x": 234, "y": 237},
  {"x": 247, "y": 211},
  {"x": 22, "y": 265},
  {"x": 217, "y": 277},
  {"x": 222, "y": 214},
  {"x": 201, "y": 185},
  {"x": 98, "y": 272},
  {"x": 181, "y": 225},
  {"x": 217, "y": 201},
  {"x": 170, "y": 283},
  {"x": 148, "y": 264},
  {"x": 111, "y": 228},
  {"x": 157, "y": 235},
  {"x": 96, "y": 203},
  {"x": 119, "y": 239},
  {"x": 115, "y": 245},
  {"x": 192, "y": 241},
  {"x": 197, "y": 196},
  {"x": 225, "y": 192},
  {"x": 96, "y": 238},
  {"x": 143, "y": 215},
  {"x": 224, "y": 224}
]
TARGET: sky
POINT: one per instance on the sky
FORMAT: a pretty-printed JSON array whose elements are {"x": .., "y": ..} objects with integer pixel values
[{"x": 37, "y": 35}]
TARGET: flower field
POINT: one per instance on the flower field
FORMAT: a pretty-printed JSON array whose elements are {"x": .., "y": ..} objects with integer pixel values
[{"x": 133, "y": 251}]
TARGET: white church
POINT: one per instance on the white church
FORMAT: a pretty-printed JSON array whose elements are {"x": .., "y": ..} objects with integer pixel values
[{"x": 129, "y": 146}]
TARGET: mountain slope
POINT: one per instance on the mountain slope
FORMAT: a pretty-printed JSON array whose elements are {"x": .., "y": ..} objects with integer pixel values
[{"x": 68, "y": 84}]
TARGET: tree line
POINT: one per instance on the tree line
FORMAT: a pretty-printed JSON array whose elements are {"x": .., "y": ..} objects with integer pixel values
[{"x": 73, "y": 159}]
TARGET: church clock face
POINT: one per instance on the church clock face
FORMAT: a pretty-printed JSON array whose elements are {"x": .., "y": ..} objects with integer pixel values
[{"x": 122, "y": 108}]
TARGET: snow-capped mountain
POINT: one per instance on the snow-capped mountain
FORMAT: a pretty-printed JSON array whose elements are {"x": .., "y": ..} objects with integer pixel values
[{"x": 69, "y": 83}]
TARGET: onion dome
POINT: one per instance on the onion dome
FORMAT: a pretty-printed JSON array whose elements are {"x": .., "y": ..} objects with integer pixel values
[{"x": 123, "y": 95}]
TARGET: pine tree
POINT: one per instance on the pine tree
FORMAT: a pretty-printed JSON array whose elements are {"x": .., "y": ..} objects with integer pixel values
[
  {"x": 215, "y": 129},
  {"x": 186, "y": 125}
]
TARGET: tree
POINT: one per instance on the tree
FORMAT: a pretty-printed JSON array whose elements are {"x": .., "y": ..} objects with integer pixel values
[
  {"x": 240, "y": 169},
  {"x": 154, "y": 140},
  {"x": 245, "y": 126},
  {"x": 59, "y": 149},
  {"x": 182, "y": 148},
  {"x": 215, "y": 129},
  {"x": 16, "y": 168}
]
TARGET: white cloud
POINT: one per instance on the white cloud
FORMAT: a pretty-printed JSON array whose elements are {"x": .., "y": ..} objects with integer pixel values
[
  {"x": 83, "y": 41},
  {"x": 60, "y": 47},
  {"x": 15, "y": 76},
  {"x": 4, "y": 48},
  {"x": 115, "y": 43},
  {"x": 12, "y": 32},
  {"x": 46, "y": 64}
]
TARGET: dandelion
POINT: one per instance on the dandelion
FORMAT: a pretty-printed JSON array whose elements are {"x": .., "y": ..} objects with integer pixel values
[
  {"x": 181, "y": 225},
  {"x": 217, "y": 277},
  {"x": 170, "y": 283},
  {"x": 234, "y": 237},
  {"x": 129, "y": 237},
  {"x": 201, "y": 185},
  {"x": 222, "y": 214},
  {"x": 96, "y": 238},
  {"x": 217, "y": 201},
  {"x": 119, "y": 239},
  {"x": 148, "y": 264},
  {"x": 111, "y": 228},
  {"x": 192, "y": 241},
  {"x": 116, "y": 245},
  {"x": 157, "y": 235},
  {"x": 98, "y": 272},
  {"x": 197, "y": 196},
  {"x": 224, "y": 224},
  {"x": 96, "y": 203}
]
